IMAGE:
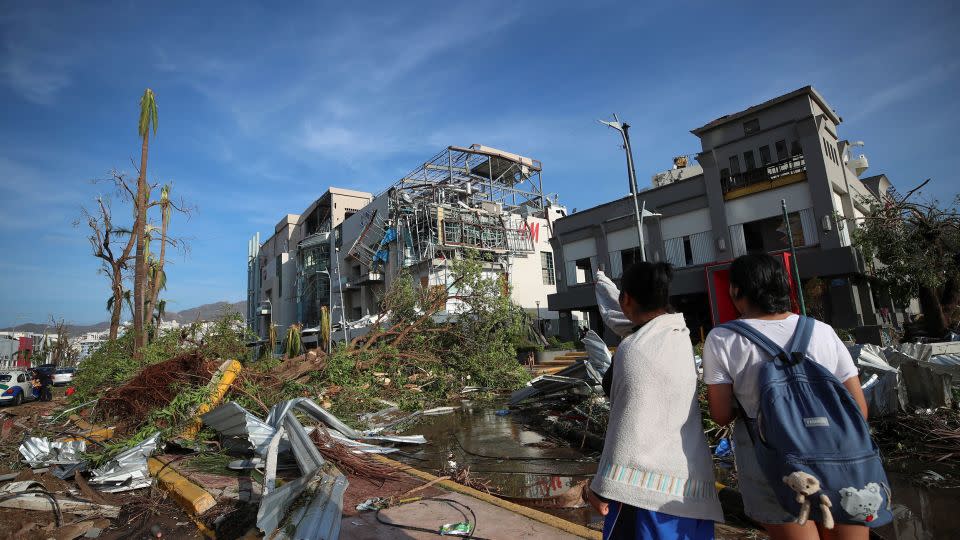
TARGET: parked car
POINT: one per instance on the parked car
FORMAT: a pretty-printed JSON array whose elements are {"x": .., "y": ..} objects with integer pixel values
[
  {"x": 63, "y": 376},
  {"x": 16, "y": 386}
]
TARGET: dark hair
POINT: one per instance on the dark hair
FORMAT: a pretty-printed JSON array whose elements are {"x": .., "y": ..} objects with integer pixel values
[
  {"x": 648, "y": 284},
  {"x": 762, "y": 281}
]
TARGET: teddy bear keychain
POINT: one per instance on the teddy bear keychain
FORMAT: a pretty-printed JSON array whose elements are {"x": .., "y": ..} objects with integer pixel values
[{"x": 806, "y": 485}]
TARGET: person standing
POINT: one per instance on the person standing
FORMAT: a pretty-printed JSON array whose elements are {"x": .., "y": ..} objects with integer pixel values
[
  {"x": 731, "y": 369},
  {"x": 655, "y": 476}
]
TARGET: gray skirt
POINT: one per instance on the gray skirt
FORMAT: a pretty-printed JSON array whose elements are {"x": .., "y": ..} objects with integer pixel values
[{"x": 759, "y": 500}]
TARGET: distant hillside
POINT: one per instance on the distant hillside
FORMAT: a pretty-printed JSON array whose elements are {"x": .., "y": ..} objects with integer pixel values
[{"x": 205, "y": 312}]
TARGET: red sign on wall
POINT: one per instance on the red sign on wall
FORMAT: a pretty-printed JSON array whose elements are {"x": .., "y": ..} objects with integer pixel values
[
  {"x": 718, "y": 289},
  {"x": 531, "y": 229}
]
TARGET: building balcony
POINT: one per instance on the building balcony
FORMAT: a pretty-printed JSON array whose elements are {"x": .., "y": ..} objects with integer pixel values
[{"x": 773, "y": 175}]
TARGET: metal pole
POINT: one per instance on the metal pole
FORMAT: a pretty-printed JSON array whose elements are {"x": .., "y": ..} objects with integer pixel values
[
  {"x": 343, "y": 317},
  {"x": 624, "y": 128},
  {"x": 793, "y": 257},
  {"x": 633, "y": 186}
]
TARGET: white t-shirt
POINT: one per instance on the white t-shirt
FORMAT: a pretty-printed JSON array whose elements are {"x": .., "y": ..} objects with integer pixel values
[{"x": 729, "y": 357}]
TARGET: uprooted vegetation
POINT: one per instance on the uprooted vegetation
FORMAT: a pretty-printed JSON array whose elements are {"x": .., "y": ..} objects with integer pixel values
[{"x": 412, "y": 357}]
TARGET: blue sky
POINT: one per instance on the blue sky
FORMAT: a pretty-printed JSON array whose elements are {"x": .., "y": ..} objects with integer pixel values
[{"x": 264, "y": 105}]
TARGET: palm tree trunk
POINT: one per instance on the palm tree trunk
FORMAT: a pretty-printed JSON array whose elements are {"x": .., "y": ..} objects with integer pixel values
[
  {"x": 155, "y": 286},
  {"x": 117, "y": 307},
  {"x": 140, "y": 271}
]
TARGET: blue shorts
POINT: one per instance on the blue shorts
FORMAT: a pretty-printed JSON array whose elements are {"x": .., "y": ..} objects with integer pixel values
[{"x": 625, "y": 522}]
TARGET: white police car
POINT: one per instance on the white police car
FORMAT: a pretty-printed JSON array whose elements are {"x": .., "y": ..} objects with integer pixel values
[{"x": 15, "y": 387}]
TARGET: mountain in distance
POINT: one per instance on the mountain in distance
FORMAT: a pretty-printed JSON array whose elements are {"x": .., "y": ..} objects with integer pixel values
[{"x": 206, "y": 312}]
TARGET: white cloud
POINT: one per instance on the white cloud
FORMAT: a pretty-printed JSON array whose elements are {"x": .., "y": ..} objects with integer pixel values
[{"x": 909, "y": 86}]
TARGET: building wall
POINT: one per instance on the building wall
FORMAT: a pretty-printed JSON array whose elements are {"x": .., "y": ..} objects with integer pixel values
[{"x": 695, "y": 210}]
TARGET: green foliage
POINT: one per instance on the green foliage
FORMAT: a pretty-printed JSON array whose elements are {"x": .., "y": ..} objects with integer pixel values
[
  {"x": 909, "y": 246},
  {"x": 148, "y": 113},
  {"x": 113, "y": 363},
  {"x": 418, "y": 360},
  {"x": 555, "y": 344}
]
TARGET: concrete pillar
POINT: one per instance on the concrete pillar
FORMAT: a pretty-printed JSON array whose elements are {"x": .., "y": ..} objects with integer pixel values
[
  {"x": 844, "y": 305},
  {"x": 818, "y": 180},
  {"x": 718, "y": 215},
  {"x": 868, "y": 311}
]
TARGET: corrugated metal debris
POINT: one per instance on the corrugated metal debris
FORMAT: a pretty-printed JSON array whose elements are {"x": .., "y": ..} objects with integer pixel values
[{"x": 128, "y": 470}]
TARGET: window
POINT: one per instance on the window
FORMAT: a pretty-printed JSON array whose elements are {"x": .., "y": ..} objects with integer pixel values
[
  {"x": 687, "y": 251},
  {"x": 751, "y": 126},
  {"x": 734, "y": 165},
  {"x": 826, "y": 148},
  {"x": 724, "y": 173},
  {"x": 781, "y": 150},
  {"x": 547, "y": 269},
  {"x": 630, "y": 257},
  {"x": 770, "y": 234},
  {"x": 796, "y": 149},
  {"x": 749, "y": 161},
  {"x": 584, "y": 270},
  {"x": 765, "y": 154},
  {"x": 280, "y": 276}
]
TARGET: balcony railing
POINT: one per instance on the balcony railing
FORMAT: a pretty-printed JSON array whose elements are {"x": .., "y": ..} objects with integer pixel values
[{"x": 766, "y": 173}]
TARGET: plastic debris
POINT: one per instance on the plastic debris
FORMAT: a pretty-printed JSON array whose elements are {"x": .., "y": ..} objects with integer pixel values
[
  {"x": 375, "y": 503},
  {"x": 462, "y": 528},
  {"x": 503, "y": 412},
  {"x": 723, "y": 448}
]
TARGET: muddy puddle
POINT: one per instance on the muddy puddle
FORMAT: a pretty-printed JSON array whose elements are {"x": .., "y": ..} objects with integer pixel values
[{"x": 527, "y": 465}]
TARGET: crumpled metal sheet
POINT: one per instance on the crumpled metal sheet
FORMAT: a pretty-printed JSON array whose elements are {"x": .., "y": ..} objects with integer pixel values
[
  {"x": 597, "y": 353},
  {"x": 320, "y": 519},
  {"x": 40, "y": 451},
  {"x": 128, "y": 470},
  {"x": 241, "y": 429},
  {"x": 310, "y": 407}
]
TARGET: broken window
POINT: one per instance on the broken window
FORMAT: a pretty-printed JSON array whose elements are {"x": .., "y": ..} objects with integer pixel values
[
  {"x": 751, "y": 126},
  {"x": 770, "y": 234},
  {"x": 547, "y": 269}
]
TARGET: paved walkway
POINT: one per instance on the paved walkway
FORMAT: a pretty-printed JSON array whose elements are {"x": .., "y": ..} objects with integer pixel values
[{"x": 493, "y": 522}]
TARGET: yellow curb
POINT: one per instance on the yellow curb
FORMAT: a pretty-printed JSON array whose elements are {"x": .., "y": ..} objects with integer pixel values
[
  {"x": 230, "y": 370},
  {"x": 90, "y": 431},
  {"x": 192, "y": 498},
  {"x": 535, "y": 515}
]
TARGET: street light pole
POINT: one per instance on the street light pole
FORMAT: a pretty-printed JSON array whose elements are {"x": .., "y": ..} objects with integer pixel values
[
  {"x": 624, "y": 129},
  {"x": 539, "y": 326},
  {"x": 343, "y": 316}
]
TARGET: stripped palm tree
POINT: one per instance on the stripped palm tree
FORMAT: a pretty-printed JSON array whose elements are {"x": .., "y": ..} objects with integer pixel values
[{"x": 148, "y": 121}]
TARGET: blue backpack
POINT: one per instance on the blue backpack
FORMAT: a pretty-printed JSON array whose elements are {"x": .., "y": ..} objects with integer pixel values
[{"x": 811, "y": 439}]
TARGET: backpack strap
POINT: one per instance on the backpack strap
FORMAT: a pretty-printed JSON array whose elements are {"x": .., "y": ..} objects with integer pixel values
[
  {"x": 763, "y": 342},
  {"x": 801, "y": 338}
]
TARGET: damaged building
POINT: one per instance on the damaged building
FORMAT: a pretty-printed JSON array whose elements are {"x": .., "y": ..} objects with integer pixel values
[
  {"x": 347, "y": 248},
  {"x": 727, "y": 203}
]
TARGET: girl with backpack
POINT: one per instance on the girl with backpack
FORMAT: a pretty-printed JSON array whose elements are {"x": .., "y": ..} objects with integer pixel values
[
  {"x": 655, "y": 476},
  {"x": 740, "y": 360}
]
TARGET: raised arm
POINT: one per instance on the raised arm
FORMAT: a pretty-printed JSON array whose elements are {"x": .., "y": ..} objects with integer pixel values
[{"x": 608, "y": 300}]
